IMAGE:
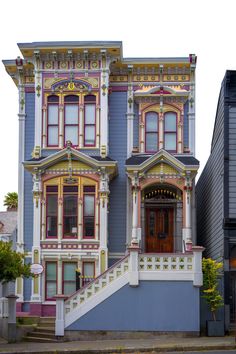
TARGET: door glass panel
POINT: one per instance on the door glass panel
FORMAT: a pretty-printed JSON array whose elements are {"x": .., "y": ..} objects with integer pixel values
[{"x": 152, "y": 221}]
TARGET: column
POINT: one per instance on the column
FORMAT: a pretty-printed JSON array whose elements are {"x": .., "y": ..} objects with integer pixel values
[
  {"x": 59, "y": 276},
  {"x": 21, "y": 158},
  {"x": 130, "y": 116},
  {"x": 187, "y": 230},
  {"x": 61, "y": 126},
  {"x": 43, "y": 226},
  {"x": 60, "y": 218},
  {"x": 60, "y": 315},
  {"x": 135, "y": 199},
  {"x": 44, "y": 140},
  {"x": 81, "y": 126},
  {"x": 98, "y": 126},
  {"x": 161, "y": 131},
  {"x": 103, "y": 202},
  {"x": 197, "y": 265},
  {"x": 104, "y": 102},
  {"x": 80, "y": 218},
  {"x": 37, "y": 190},
  {"x": 38, "y": 103}
]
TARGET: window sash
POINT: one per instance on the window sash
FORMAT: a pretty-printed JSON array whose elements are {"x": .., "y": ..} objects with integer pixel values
[
  {"x": 151, "y": 142},
  {"x": 170, "y": 122},
  {"x": 89, "y": 216},
  {"x": 51, "y": 215},
  {"x": 70, "y": 215},
  {"x": 69, "y": 278},
  {"x": 50, "y": 280},
  {"x": 170, "y": 141},
  {"x": 89, "y": 124}
]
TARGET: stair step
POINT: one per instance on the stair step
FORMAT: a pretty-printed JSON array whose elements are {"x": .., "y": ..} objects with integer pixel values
[
  {"x": 42, "y": 335},
  {"x": 39, "y": 339},
  {"x": 45, "y": 329},
  {"x": 47, "y": 319}
]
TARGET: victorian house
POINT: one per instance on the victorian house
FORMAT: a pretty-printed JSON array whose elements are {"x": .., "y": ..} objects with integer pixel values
[{"x": 106, "y": 186}]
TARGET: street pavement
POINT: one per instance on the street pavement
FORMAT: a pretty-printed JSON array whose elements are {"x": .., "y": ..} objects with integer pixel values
[{"x": 161, "y": 343}]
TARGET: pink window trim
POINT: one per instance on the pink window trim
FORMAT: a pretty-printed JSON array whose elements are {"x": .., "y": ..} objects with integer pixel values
[
  {"x": 92, "y": 194},
  {"x": 90, "y": 125},
  {"x": 53, "y": 125},
  {"x": 152, "y": 132},
  {"x": 170, "y": 132},
  {"x": 70, "y": 125},
  {"x": 47, "y": 194}
]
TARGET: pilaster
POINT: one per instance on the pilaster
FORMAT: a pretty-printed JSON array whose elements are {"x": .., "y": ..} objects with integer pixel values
[
  {"x": 104, "y": 102},
  {"x": 187, "y": 230},
  {"x": 61, "y": 126},
  {"x": 38, "y": 101},
  {"x": 103, "y": 204},
  {"x": 191, "y": 114}
]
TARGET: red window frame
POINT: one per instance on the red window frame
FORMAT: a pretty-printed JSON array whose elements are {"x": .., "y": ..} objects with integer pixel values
[
  {"x": 87, "y": 280},
  {"x": 151, "y": 132},
  {"x": 90, "y": 100},
  {"x": 76, "y": 101},
  {"x": 49, "y": 193},
  {"x": 47, "y": 281},
  {"x": 85, "y": 193},
  {"x": 63, "y": 276},
  {"x": 65, "y": 194},
  {"x": 51, "y": 102},
  {"x": 170, "y": 132}
]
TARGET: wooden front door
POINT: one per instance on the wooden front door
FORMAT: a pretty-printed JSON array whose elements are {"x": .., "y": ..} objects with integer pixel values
[{"x": 159, "y": 229}]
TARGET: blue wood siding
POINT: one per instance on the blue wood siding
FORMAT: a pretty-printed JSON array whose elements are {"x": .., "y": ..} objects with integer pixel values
[
  {"x": 210, "y": 192},
  {"x": 28, "y": 184},
  {"x": 117, "y": 151},
  {"x": 152, "y": 306},
  {"x": 232, "y": 161}
]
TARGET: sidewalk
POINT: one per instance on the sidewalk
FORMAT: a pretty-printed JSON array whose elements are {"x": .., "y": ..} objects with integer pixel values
[{"x": 162, "y": 343}]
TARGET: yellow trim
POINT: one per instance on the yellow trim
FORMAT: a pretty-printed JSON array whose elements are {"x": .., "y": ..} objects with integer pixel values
[
  {"x": 36, "y": 285},
  {"x": 164, "y": 168},
  {"x": 19, "y": 282},
  {"x": 103, "y": 261}
]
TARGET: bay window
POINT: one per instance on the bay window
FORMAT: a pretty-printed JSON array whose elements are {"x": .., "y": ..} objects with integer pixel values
[
  {"x": 170, "y": 131},
  {"x": 89, "y": 212},
  {"x": 53, "y": 120},
  {"x": 151, "y": 132},
  {"x": 71, "y": 119}
]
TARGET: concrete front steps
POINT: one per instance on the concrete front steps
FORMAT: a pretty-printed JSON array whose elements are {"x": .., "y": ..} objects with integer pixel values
[{"x": 44, "y": 332}]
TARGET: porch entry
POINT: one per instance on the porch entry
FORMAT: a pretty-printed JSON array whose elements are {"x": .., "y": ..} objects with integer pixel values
[{"x": 159, "y": 229}]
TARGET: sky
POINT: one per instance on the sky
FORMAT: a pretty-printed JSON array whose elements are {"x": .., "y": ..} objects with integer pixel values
[{"x": 151, "y": 28}]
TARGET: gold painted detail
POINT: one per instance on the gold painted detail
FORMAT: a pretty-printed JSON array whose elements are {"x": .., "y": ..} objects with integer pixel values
[
  {"x": 176, "y": 78},
  {"x": 76, "y": 165},
  {"x": 163, "y": 168},
  {"x": 117, "y": 78},
  {"x": 146, "y": 78},
  {"x": 36, "y": 152},
  {"x": 48, "y": 82}
]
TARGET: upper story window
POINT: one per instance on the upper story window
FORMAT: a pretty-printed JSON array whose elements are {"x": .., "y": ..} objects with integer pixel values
[
  {"x": 89, "y": 120},
  {"x": 89, "y": 211},
  {"x": 151, "y": 132},
  {"x": 53, "y": 120},
  {"x": 170, "y": 131},
  {"x": 71, "y": 119}
]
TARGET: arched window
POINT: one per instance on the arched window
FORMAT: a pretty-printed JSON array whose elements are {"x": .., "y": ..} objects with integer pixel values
[
  {"x": 53, "y": 120},
  {"x": 71, "y": 119},
  {"x": 151, "y": 132},
  {"x": 170, "y": 131},
  {"x": 89, "y": 120}
]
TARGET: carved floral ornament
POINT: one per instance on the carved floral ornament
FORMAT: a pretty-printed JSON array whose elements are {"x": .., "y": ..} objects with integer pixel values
[{"x": 72, "y": 85}]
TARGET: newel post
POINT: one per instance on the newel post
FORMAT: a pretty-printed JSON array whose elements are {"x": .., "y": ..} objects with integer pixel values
[
  {"x": 134, "y": 263},
  {"x": 60, "y": 315},
  {"x": 197, "y": 265}
]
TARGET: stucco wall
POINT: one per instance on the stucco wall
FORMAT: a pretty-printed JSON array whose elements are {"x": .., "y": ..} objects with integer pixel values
[{"x": 152, "y": 306}]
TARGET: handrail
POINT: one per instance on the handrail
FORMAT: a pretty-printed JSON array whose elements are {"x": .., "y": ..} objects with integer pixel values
[{"x": 100, "y": 276}]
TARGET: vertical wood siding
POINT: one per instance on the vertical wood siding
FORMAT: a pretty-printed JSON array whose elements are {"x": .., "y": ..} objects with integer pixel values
[
  {"x": 232, "y": 161},
  {"x": 210, "y": 192},
  {"x": 118, "y": 151}
]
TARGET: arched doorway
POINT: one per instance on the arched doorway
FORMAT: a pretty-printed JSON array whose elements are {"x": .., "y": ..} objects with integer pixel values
[{"x": 162, "y": 208}]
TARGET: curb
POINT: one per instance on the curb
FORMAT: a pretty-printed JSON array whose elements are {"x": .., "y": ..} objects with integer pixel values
[{"x": 157, "y": 349}]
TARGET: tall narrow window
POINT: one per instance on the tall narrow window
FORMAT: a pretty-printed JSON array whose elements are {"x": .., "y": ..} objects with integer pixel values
[
  {"x": 151, "y": 132},
  {"x": 51, "y": 211},
  {"x": 69, "y": 278},
  {"x": 89, "y": 120},
  {"x": 51, "y": 280},
  {"x": 89, "y": 212},
  {"x": 72, "y": 119},
  {"x": 170, "y": 131},
  {"x": 53, "y": 120},
  {"x": 70, "y": 210}
]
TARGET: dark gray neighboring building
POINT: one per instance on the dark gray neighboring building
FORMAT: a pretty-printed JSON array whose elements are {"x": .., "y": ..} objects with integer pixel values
[{"x": 216, "y": 195}]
